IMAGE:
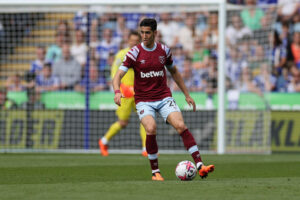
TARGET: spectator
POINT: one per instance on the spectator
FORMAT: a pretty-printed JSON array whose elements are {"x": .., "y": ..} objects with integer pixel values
[
  {"x": 132, "y": 20},
  {"x": 246, "y": 47},
  {"x": 295, "y": 48},
  {"x": 258, "y": 58},
  {"x": 245, "y": 83},
  {"x": 14, "y": 83},
  {"x": 296, "y": 22},
  {"x": 168, "y": 29},
  {"x": 278, "y": 54},
  {"x": 123, "y": 42},
  {"x": 63, "y": 28},
  {"x": 37, "y": 65},
  {"x": 96, "y": 83},
  {"x": 178, "y": 17},
  {"x": 67, "y": 69},
  {"x": 202, "y": 17},
  {"x": 236, "y": 31},
  {"x": 159, "y": 37},
  {"x": 294, "y": 85},
  {"x": 106, "y": 73},
  {"x": 210, "y": 35},
  {"x": 200, "y": 54},
  {"x": 94, "y": 42},
  {"x": 210, "y": 80},
  {"x": 79, "y": 48},
  {"x": 284, "y": 34},
  {"x": 187, "y": 34},
  {"x": 106, "y": 46},
  {"x": 121, "y": 30},
  {"x": 5, "y": 103},
  {"x": 186, "y": 75},
  {"x": 46, "y": 81},
  {"x": 261, "y": 35},
  {"x": 234, "y": 66},
  {"x": 287, "y": 9},
  {"x": 104, "y": 22},
  {"x": 252, "y": 15},
  {"x": 265, "y": 81},
  {"x": 283, "y": 81},
  {"x": 54, "y": 51},
  {"x": 80, "y": 20},
  {"x": 178, "y": 57}
]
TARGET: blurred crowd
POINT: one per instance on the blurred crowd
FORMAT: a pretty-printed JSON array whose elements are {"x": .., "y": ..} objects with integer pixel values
[{"x": 262, "y": 49}]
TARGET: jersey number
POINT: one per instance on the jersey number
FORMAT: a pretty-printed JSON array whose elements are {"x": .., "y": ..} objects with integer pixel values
[{"x": 172, "y": 103}]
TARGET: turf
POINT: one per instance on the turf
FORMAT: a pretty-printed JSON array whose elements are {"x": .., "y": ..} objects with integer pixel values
[{"x": 90, "y": 176}]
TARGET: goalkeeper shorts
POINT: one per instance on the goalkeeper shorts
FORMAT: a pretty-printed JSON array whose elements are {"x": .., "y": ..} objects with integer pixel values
[{"x": 127, "y": 106}]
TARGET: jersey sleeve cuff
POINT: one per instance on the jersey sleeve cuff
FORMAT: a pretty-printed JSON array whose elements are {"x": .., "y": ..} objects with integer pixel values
[{"x": 122, "y": 67}]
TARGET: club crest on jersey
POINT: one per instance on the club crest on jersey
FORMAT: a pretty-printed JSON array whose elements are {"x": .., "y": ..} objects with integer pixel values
[
  {"x": 161, "y": 59},
  {"x": 142, "y": 61},
  {"x": 142, "y": 112}
]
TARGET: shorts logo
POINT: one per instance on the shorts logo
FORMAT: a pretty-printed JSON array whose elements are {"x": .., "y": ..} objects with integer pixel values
[
  {"x": 141, "y": 112},
  {"x": 161, "y": 59}
]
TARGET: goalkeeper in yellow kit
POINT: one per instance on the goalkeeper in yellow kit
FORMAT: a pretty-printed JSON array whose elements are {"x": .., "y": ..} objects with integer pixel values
[{"x": 128, "y": 105}]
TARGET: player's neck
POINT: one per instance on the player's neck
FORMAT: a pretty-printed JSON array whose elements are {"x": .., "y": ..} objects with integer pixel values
[{"x": 149, "y": 48}]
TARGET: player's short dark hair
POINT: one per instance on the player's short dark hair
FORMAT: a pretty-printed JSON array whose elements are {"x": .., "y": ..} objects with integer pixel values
[
  {"x": 133, "y": 32},
  {"x": 149, "y": 22}
]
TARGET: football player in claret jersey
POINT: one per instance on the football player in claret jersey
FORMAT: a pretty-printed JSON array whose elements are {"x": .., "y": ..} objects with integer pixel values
[
  {"x": 148, "y": 60},
  {"x": 128, "y": 105}
]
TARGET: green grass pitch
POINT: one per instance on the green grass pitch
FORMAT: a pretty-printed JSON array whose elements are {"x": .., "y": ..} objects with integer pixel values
[{"x": 90, "y": 176}]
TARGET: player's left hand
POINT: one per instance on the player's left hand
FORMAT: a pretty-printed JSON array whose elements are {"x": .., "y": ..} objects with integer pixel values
[
  {"x": 191, "y": 102},
  {"x": 117, "y": 99}
]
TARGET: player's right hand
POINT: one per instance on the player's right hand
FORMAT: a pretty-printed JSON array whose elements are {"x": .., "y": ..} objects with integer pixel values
[{"x": 117, "y": 99}]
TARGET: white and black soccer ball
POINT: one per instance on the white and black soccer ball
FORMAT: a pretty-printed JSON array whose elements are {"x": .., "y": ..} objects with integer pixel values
[{"x": 186, "y": 170}]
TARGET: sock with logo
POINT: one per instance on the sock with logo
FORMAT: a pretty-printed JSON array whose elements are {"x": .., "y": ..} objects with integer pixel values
[{"x": 191, "y": 146}]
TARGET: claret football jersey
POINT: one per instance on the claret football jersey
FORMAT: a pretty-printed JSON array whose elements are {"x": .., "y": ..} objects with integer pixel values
[{"x": 150, "y": 78}]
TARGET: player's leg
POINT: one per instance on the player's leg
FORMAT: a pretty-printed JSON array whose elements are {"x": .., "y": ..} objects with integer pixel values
[
  {"x": 151, "y": 146},
  {"x": 147, "y": 117},
  {"x": 176, "y": 120},
  {"x": 143, "y": 138},
  {"x": 171, "y": 113},
  {"x": 123, "y": 112},
  {"x": 143, "y": 135}
]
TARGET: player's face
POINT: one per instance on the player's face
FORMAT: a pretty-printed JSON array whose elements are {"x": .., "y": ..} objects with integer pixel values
[
  {"x": 133, "y": 40},
  {"x": 148, "y": 36}
]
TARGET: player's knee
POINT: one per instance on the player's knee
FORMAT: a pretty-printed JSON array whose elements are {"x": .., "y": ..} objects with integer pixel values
[
  {"x": 180, "y": 127},
  {"x": 123, "y": 123},
  {"x": 151, "y": 130}
]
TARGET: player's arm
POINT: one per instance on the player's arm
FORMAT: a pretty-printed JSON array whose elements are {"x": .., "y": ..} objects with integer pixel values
[
  {"x": 116, "y": 85},
  {"x": 179, "y": 81}
]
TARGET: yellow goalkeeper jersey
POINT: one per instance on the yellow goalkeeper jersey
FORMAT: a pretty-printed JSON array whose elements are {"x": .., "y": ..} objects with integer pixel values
[{"x": 128, "y": 79}]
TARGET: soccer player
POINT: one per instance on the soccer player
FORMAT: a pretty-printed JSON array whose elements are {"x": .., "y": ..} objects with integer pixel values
[
  {"x": 148, "y": 60},
  {"x": 128, "y": 105}
]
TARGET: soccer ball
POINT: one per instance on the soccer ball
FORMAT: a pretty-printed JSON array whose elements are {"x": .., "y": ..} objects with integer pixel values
[{"x": 186, "y": 170}]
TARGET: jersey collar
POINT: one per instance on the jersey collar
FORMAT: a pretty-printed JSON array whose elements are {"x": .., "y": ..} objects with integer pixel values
[{"x": 147, "y": 49}]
